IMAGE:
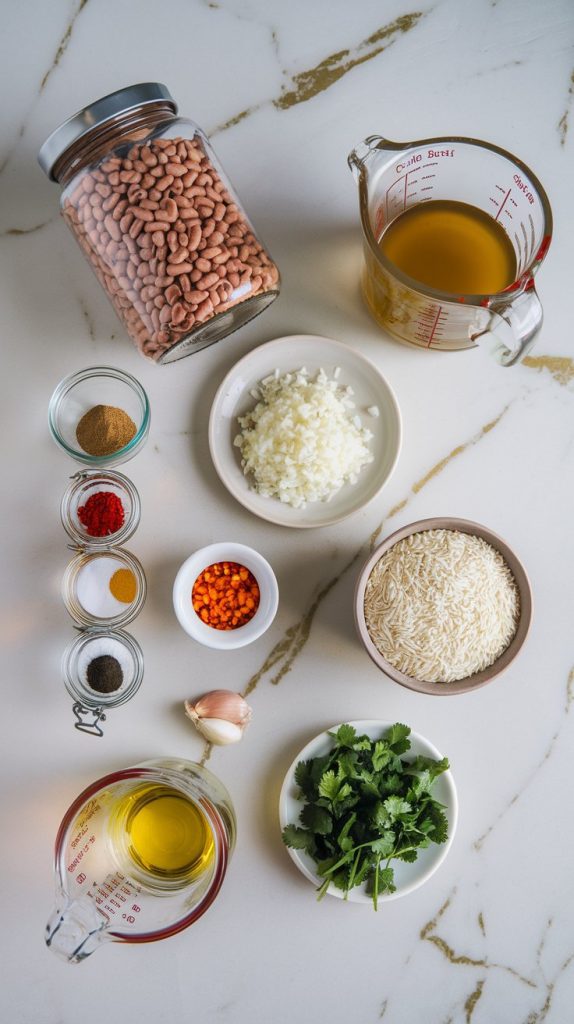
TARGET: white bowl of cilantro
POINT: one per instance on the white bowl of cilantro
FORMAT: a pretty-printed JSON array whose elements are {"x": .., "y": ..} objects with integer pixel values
[{"x": 368, "y": 811}]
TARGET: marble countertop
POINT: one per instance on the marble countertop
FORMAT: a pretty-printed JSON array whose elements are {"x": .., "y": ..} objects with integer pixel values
[{"x": 286, "y": 91}]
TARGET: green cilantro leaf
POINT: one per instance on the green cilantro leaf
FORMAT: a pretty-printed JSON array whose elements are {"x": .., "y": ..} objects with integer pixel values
[
  {"x": 387, "y": 880},
  {"x": 298, "y": 839},
  {"x": 345, "y": 735},
  {"x": 385, "y": 845},
  {"x": 396, "y": 807},
  {"x": 382, "y": 754},
  {"x": 317, "y": 819},
  {"x": 397, "y": 738},
  {"x": 329, "y": 785}
]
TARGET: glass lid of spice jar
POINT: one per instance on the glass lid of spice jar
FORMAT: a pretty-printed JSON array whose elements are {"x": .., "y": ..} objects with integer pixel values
[
  {"x": 101, "y": 670},
  {"x": 104, "y": 588},
  {"x": 100, "y": 509}
]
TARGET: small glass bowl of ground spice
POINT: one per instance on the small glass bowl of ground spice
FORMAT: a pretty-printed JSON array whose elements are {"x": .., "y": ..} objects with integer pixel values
[
  {"x": 225, "y": 595},
  {"x": 101, "y": 670},
  {"x": 100, "y": 509},
  {"x": 100, "y": 416},
  {"x": 104, "y": 588}
]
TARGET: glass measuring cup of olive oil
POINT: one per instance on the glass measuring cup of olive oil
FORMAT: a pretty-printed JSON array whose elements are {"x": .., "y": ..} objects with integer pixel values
[
  {"x": 140, "y": 855},
  {"x": 454, "y": 231}
]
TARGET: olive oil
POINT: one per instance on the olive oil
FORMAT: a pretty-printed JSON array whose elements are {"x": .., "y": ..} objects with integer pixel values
[
  {"x": 164, "y": 835},
  {"x": 451, "y": 246}
]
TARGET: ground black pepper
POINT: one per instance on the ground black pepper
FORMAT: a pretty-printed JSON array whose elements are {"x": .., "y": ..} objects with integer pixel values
[{"x": 104, "y": 674}]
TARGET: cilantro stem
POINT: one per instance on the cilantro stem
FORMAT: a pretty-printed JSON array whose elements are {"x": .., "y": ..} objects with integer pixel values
[
  {"x": 376, "y": 885},
  {"x": 345, "y": 858},
  {"x": 353, "y": 873},
  {"x": 323, "y": 889}
]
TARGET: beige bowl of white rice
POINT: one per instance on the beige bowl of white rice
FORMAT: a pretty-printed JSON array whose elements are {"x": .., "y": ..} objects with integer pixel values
[{"x": 443, "y": 606}]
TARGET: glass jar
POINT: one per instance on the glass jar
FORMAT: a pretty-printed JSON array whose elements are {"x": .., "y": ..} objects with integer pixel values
[
  {"x": 104, "y": 589},
  {"x": 87, "y": 389},
  {"x": 85, "y": 487},
  {"x": 158, "y": 220},
  {"x": 91, "y": 704}
]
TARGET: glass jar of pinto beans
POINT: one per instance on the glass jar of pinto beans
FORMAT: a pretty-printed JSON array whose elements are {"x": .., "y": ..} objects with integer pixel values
[{"x": 158, "y": 220}]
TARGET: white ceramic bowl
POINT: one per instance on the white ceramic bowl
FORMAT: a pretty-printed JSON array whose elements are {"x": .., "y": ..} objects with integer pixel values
[
  {"x": 225, "y": 640},
  {"x": 408, "y": 877},
  {"x": 234, "y": 398}
]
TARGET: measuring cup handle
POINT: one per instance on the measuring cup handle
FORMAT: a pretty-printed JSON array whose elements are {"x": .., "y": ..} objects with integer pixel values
[
  {"x": 513, "y": 327},
  {"x": 75, "y": 930}
]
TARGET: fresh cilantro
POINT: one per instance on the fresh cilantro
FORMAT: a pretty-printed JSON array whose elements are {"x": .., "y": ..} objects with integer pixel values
[
  {"x": 316, "y": 819},
  {"x": 365, "y": 806},
  {"x": 298, "y": 838},
  {"x": 345, "y": 735}
]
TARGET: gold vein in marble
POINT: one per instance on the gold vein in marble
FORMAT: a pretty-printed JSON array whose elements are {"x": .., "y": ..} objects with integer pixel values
[
  {"x": 418, "y": 486},
  {"x": 481, "y": 923},
  {"x": 295, "y": 637},
  {"x": 63, "y": 46},
  {"x": 539, "y": 1016},
  {"x": 8, "y": 156},
  {"x": 563, "y": 122},
  {"x": 307, "y": 84},
  {"x": 437, "y": 469},
  {"x": 479, "y": 843},
  {"x": 25, "y": 231},
  {"x": 236, "y": 120},
  {"x": 88, "y": 318},
  {"x": 470, "y": 1004},
  {"x": 561, "y": 367},
  {"x": 428, "y": 934},
  {"x": 570, "y": 689},
  {"x": 548, "y": 753}
]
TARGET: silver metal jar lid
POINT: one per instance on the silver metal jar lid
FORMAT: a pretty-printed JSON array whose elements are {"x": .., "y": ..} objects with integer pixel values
[{"x": 102, "y": 110}]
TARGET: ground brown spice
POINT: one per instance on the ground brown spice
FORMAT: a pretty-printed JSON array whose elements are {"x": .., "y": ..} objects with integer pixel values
[{"x": 105, "y": 429}]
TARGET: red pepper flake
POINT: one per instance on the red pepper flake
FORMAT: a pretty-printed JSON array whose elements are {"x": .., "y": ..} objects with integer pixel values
[
  {"x": 225, "y": 595},
  {"x": 102, "y": 514}
]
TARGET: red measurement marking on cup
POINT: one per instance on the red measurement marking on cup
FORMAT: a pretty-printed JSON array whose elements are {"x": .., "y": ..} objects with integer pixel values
[
  {"x": 406, "y": 188},
  {"x": 113, "y": 892},
  {"x": 501, "y": 203},
  {"x": 396, "y": 195},
  {"x": 429, "y": 325}
]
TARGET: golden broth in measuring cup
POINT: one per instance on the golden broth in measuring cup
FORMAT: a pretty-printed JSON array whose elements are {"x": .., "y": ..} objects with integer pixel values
[
  {"x": 454, "y": 231},
  {"x": 450, "y": 246},
  {"x": 160, "y": 833}
]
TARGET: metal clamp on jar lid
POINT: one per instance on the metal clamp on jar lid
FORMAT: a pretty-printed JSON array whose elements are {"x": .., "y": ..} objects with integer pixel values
[
  {"x": 101, "y": 670},
  {"x": 156, "y": 216}
]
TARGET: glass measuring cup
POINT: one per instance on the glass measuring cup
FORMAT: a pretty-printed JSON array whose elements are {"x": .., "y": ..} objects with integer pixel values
[
  {"x": 394, "y": 176},
  {"x": 102, "y": 893}
]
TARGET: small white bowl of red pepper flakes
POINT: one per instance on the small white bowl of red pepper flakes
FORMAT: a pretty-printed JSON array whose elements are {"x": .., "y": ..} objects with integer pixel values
[{"x": 225, "y": 595}]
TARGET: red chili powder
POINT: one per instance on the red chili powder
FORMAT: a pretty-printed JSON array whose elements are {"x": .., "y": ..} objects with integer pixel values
[{"x": 102, "y": 514}]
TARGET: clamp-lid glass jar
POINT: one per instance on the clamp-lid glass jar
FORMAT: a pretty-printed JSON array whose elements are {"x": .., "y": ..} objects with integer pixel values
[{"x": 158, "y": 220}]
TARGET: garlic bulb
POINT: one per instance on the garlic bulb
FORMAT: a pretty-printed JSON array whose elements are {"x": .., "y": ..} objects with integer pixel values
[{"x": 220, "y": 716}]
